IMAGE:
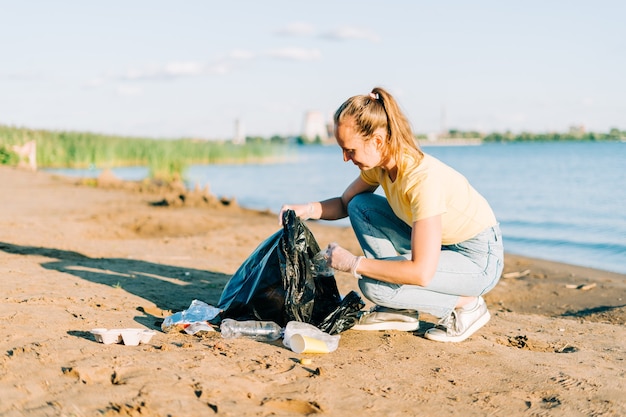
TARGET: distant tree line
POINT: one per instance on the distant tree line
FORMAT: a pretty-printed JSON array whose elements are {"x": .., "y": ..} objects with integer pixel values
[{"x": 572, "y": 135}]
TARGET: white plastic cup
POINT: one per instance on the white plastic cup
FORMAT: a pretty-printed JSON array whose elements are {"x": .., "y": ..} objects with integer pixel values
[
  {"x": 307, "y": 344},
  {"x": 131, "y": 337},
  {"x": 107, "y": 336},
  {"x": 146, "y": 335}
]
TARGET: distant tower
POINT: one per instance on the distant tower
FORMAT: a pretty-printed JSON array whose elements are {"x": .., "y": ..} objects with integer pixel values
[
  {"x": 240, "y": 137},
  {"x": 443, "y": 128},
  {"x": 315, "y": 127}
]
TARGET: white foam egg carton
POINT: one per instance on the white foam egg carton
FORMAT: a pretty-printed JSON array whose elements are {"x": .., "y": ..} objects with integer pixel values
[{"x": 130, "y": 337}]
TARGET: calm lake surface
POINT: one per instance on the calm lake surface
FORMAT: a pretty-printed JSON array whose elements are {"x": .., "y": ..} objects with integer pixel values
[{"x": 564, "y": 202}]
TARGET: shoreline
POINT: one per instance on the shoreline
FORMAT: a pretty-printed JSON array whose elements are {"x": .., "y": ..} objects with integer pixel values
[
  {"x": 111, "y": 255},
  {"x": 110, "y": 180}
]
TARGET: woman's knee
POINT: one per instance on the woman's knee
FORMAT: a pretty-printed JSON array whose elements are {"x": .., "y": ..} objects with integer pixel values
[
  {"x": 355, "y": 206},
  {"x": 361, "y": 203},
  {"x": 376, "y": 291}
]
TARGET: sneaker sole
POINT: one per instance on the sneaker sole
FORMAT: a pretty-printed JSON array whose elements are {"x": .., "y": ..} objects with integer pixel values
[
  {"x": 484, "y": 319},
  {"x": 398, "y": 325}
]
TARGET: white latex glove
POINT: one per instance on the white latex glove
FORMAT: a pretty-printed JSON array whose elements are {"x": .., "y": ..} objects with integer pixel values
[
  {"x": 304, "y": 211},
  {"x": 342, "y": 260}
]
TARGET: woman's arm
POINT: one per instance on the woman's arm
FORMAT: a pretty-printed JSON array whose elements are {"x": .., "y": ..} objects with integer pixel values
[
  {"x": 331, "y": 209},
  {"x": 419, "y": 270}
]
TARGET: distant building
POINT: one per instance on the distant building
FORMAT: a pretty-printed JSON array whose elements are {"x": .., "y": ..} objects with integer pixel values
[
  {"x": 240, "y": 136},
  {"x": 315, "y": 127},
  {"x": 443, "y": 122},
  {"x": 577, "y": 130}
]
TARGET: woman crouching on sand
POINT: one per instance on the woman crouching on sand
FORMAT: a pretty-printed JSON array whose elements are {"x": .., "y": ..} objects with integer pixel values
[{"x": 432, "y": 244}]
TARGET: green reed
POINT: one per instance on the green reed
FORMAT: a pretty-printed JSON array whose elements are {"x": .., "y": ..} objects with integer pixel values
[{"x": 166, "y": 158}]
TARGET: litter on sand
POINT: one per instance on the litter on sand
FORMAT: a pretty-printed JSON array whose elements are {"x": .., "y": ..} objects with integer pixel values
[
  {"x": 583, "y": 287},
  {"x": 516, "y": 274},
  {"x": 130, "y": 337}
]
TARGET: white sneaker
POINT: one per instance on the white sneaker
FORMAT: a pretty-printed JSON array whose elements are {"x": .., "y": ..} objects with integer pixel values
[
  {"x": 460, "y": 324},
  {"x": 384, "y": 318}
]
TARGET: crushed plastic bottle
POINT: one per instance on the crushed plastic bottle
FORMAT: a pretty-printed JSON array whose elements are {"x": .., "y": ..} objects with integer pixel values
[
  {"x": 265, "y": 331},
  {"x": 198, "y": 311},
  {"x": 320, "y": 264}
]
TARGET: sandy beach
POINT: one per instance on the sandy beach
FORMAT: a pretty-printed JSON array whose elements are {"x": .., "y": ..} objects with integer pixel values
[{"x": 76, "y": 256}]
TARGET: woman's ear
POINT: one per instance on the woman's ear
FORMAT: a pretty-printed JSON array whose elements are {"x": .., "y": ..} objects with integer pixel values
[{"x": 379, "y": 140}]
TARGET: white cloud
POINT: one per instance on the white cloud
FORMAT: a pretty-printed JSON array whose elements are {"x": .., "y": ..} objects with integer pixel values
[
  {"x": 185, "y": 69},
  {"x": 218, "y": 69},
  {"x": 341, "y": 34},
  {"x": 128, "y": 90},
  {"x": 296, "y": 54},
  {"x": 168, "y": 71},
  {"x": 588, "y": 102},
  {"x": 241, "y": 54},
  {"x": 175, "y": 69},
  {"x": 95, "y": 82},
  {"x": 296, "y": 29},
  {"x": 349, "y": 33},
  {"x": 139, "y": 74},
  {"x": 26, "y": 75},
  {"x": 181, "y": 69}
]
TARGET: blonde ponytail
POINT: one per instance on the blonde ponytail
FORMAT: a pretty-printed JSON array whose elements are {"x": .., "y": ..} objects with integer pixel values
[{"x": 379, "y": 110}]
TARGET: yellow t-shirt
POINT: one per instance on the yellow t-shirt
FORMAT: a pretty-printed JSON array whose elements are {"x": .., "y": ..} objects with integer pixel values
[{"x": 429, "y": 188}]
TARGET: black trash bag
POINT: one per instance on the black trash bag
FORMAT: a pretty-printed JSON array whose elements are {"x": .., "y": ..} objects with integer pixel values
[
  {"x": 279, "y": 283},
  {"x": 255, "y": 291},
  {"x": 345, "y": 316},
  {"x": 309, "y": 297}
]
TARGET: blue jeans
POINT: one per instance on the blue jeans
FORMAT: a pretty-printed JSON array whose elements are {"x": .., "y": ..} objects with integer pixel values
[{"x": 468, "y": 268}]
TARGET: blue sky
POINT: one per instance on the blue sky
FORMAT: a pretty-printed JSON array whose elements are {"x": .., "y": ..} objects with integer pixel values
[{"x": 191, "y": 68}]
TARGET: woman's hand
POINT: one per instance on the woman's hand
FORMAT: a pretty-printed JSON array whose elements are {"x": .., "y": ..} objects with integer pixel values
[
  {"x": 342, "y": 260},
  {"x": 304, "y": 211}
]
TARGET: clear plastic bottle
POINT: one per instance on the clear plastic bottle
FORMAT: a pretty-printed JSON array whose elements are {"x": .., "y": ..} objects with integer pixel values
[
  {"x": 320, "y": 264},
  {"x": 265, "y": 331}
]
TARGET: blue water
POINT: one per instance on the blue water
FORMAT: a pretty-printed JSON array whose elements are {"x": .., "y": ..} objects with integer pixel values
[{"x": 564, "y": 202}]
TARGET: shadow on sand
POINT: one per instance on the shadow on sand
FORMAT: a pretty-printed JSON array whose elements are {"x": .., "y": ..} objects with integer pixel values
[{"x": 168, "y": 287}]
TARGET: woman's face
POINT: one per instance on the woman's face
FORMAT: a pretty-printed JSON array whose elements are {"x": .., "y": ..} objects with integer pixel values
[{"x": 365, "y": 154}]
